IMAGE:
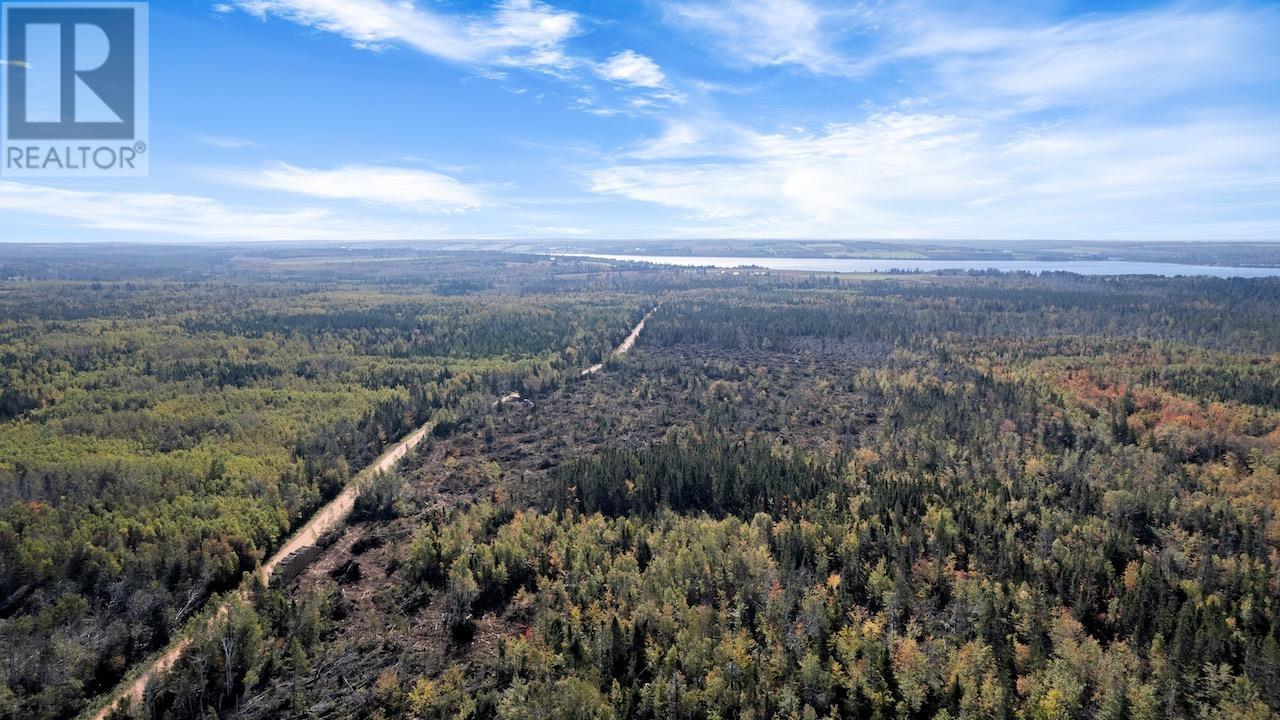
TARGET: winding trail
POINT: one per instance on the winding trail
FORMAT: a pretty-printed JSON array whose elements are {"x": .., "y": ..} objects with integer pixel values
[{"x": 325, "y": 519}]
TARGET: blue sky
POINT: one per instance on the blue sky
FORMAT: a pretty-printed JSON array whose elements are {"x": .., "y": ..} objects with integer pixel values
[{"x": 391, "y": 119}]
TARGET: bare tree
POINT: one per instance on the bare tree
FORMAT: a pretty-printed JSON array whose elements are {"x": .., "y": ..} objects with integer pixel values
[{"x": 229, "y": 642}]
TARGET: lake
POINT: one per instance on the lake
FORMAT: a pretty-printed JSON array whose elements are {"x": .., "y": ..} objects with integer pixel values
[{"x": 858, "y": 265}]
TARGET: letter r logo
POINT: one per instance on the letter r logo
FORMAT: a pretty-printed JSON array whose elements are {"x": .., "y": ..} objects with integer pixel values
[{"x": 71, "y": 72}]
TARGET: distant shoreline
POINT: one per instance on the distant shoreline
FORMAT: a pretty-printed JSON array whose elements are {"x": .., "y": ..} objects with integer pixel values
[{"x": 889, "y": 266}]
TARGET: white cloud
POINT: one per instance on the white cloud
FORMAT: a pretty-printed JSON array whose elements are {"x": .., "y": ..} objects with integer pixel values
[
  {"x": 1123, "y": 59},
  {"x": 699, "y": 137},
  {"x": 1111, "y": 125},
  {"x": 408, "y": 188},
  {"x": 631, "y": 68},
  {"x": 514, "y": 34},
  {"x": 193, "y": 216},
  {"x": 760, "y": 33},
  {"x": 524, "y": 33},
  {"x": 971, "y": 57},
  {"x": 926, "y": 175}
]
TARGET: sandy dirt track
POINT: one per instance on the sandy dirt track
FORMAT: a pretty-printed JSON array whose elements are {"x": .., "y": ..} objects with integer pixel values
[
  {"x": 625, "y": 346},
  {"x": 326, "y": 518}
]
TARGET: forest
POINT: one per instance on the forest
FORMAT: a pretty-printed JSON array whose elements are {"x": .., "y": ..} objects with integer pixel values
[
  {"x": 800, "y": 496},
  {"x": 159, "y": 437}
]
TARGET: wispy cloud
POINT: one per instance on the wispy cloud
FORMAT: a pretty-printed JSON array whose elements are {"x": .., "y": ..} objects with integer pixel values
[
  {"x": 196, "y": 217},
  {"x": 882, "y": 118},
  {"x": 523, "y": 33},
  {"x": 631, "y": 70},
  {"x": 983, "y": 57},
  {"x": 924, "y": 175},
  {"x": 1004, "y": 126},
  {"x": 406, "y": 188},
  {"x": 1121, "y": 59},
  {"x": 512, "y": 35},
  {"x": 759, "y": 33}
]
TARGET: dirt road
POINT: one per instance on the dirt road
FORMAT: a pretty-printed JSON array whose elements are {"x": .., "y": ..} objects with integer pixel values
[
  {"x": 327, "y": 518},
  {"x": 333, "y": 514},
  {"x": 626, "y": 345}
]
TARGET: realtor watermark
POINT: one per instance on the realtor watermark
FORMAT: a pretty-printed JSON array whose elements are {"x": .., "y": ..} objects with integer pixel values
[{"x": 75, "y": 89}]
